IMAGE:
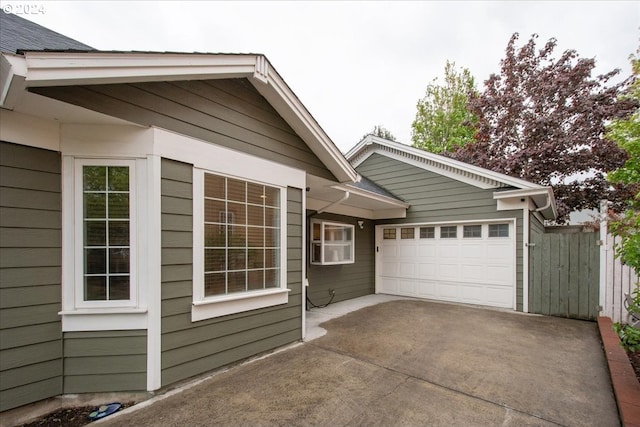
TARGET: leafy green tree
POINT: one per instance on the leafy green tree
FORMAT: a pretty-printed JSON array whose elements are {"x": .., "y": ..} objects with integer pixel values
[
  {"x": 381, "y": 132},
  {"x": 443, "y": 122},
  {"x": 626, "y": 134},
  {"x": 543, "y": 119}
]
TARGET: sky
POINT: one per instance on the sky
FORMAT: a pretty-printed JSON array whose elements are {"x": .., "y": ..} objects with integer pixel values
[{"x": 354, "y": 65}]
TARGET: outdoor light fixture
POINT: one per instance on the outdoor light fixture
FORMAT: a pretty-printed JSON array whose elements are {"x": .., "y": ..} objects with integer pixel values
[{"x": 361, "y": 224}]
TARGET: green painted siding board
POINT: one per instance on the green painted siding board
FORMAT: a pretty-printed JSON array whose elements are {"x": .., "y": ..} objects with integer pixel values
[
  {"x": 105, "y": 383},
  {"x": 29, "y": 315},
  {"x": 176, "y": 273},
  {"x": 29, "y": 393},
  {"x": 29, "y": 218},
  {"x": 30, "y": 274},
  {"x": 30, "y": 238},
  {"x": 29, "y": 158},
  {"x": 16, "y": 277},
  {"x": 177, "y": 256},
  {"x": 172, "y": 290},
  {"x": 176, "y": 239},
  {"x": 209, "y": 363},
  {"x": 30, "y": 257},
  {"x": 209, "y": 347},
  {"x": 175, "y": 205},
  {"x": 29, "y": 296},
  {"x": 30, "y": 199},
  {"x": 176, "y": 222},
  {"x": 103, "y": 346},
  {"x": 97, "y": 365},
  {"x": 30, "y": 179},
  {"x": 180, "y": 190},
  {"x": 136, "y": 104},
  {"x": 177, "y": 171},
  {"x": 28, "y": 374},
  {"x": 31, "y": 354}
]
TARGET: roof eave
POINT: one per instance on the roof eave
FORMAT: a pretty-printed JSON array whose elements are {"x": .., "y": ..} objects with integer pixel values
[{"x": 44, "y": 68}]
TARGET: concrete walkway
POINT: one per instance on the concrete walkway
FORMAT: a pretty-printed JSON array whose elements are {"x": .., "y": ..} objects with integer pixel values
[{"x": 407, "y": 362}]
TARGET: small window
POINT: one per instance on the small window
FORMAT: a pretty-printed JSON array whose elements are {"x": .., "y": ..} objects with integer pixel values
[
  {"x": 498, "y": 230},
  {"x": 472, "y": 231},
  {"x": 450, "y": 232},
  {"x": 427, "y": 232},
  {"x": 332, "y": 243},
  {"x": 389, "y": 234},
  {"x": 407, "y": 233}
]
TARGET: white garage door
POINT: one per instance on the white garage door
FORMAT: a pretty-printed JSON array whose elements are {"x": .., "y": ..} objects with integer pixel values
[{"x": 470, "y": 263}]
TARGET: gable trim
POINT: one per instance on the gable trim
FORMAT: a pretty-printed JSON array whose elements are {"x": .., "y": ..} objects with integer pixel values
[{"x": 470, "y": 174}]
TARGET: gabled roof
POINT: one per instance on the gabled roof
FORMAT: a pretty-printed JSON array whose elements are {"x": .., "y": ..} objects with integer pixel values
[
  {"x": 69, "y": 68},
  {"x": 506, "y": 186},
  {"x": 17, "y": 33}
]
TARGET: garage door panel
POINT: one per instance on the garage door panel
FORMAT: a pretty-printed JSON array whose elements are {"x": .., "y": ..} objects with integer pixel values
[
  {"x": 427, "y": 270},
  {"x": 427, "y": 251},
  {"x": 472, "y": 251},
  {"x": 473, "y": 272},
  {"x": 477, "y": 270},
  {"x": 406, "y": 269}
]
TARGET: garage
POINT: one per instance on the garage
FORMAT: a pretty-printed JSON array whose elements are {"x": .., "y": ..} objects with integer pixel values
[{"x": 471, "y": 262}]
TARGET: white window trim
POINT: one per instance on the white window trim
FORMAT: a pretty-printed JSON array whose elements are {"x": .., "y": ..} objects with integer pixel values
[
  {"x": 209, "y": 307},
  {"x": 80, "y": 315}
]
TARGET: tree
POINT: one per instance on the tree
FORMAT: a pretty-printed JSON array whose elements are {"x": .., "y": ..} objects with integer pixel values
[
  {"x": 381, "y": 132},
  {"x": 626, "y": 134},
  {"x": 443, "y": 122},
  {"x": 543, "y": 120}
]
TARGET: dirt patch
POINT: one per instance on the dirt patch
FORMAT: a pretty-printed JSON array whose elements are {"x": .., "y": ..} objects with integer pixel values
[
  {"x": 634, "y": 358},
  {"x": 68, "y": 417}
]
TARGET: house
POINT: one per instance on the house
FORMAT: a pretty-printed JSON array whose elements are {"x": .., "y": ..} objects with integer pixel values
[{"x": 166, "y": 214}]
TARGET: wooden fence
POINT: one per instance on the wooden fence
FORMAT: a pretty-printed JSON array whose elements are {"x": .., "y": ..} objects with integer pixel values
[{"x": 564, "y": 273}]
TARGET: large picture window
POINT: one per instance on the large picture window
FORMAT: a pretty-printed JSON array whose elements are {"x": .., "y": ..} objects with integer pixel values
[{"x": 241, "y": 236}]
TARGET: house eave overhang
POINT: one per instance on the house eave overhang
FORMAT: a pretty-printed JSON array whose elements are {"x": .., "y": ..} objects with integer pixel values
[
  {"x": 542, "y": 198},
  {"x": 44, "y": 68}
]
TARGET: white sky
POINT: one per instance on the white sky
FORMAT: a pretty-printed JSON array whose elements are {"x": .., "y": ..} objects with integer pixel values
[{"x": 353, "y": 64}]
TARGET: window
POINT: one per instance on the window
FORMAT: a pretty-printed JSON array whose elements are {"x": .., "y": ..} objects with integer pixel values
[
  {"x": 106, "y": 223},
  {"x": 332, "y": 243},
  {"x": 407, "y": 233},
  {"x": 241, "y": 236},
  {"x": 105, "y": 226},
  {"x": 498, "y": 230},
  {"x": 389, "y": 234},
  {"x": 449, "y": 232},
  {"x": 472, "y": 231},
  {"x": 427, "y": 232}
]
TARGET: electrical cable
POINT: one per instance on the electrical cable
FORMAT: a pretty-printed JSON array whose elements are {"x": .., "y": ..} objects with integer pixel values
[{"x": 333, "y": 294}]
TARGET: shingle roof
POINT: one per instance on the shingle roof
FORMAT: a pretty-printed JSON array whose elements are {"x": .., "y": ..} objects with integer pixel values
[
  {"x": 366, "y": 184},
  {"x": 17, "y": 33}
]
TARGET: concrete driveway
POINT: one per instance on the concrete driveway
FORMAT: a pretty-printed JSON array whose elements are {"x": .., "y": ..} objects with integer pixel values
[{"x": 409, "y": 362}]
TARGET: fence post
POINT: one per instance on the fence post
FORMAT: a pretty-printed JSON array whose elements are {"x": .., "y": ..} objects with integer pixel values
[{"x": 602, "y": 299}]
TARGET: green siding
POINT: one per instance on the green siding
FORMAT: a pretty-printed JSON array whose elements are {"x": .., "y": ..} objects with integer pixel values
[
  {"x": 30, "y": 275},
  {"x": 227, "y": 112},
  {"x": 105, "y": 361},
  {"x": 348, "y": 280},
  {"x": 192, "y": 348},
  {"x": 437, "y": 198}
]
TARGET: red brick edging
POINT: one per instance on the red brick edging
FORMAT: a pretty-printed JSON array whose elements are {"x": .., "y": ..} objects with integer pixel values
[{"x": 625, "y": 385}]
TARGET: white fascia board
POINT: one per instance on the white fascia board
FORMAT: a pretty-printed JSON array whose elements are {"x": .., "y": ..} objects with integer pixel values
[
  {"x": 287, "y": 104},
  {"x": 443, "y": 165},
  {"x": 75, "y": 68},
  {"x": 542, "y": 197},
  {"x": 391, "y": 202},
  {"x": 13, "y": 72}
]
